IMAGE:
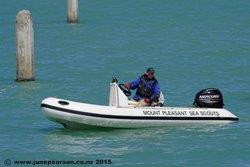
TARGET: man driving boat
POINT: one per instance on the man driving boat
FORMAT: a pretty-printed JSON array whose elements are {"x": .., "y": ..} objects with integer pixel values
[{"x": 148, "y": 90}]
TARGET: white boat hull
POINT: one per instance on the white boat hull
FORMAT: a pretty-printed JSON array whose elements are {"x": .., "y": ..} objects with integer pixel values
[{"x": 75, "y": 115}]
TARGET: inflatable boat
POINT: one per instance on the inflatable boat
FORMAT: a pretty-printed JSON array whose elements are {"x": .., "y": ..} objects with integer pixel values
[{"x": 124, "y": 113}]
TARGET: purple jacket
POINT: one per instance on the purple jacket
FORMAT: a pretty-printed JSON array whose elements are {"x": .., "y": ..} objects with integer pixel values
[{"x": 150, "y": 85}]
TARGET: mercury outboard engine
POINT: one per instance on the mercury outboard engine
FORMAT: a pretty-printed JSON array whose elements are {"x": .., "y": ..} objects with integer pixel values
[{"x": 209, "y": 98}]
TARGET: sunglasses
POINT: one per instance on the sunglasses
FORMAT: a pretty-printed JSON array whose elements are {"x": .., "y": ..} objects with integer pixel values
[{"x": 151, "y": 73}]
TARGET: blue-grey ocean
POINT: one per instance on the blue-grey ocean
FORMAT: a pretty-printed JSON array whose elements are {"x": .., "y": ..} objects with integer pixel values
[{"x": 192, "y": 45}]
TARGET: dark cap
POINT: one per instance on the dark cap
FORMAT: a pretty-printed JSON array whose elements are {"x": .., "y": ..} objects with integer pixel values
[{"x": 150, "y": 69}]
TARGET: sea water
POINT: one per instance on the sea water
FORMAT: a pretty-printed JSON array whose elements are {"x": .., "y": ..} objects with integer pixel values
[{"x": 191, "y": 44}]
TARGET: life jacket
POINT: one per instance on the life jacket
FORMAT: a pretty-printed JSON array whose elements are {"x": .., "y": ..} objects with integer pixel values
[{"x": 143, "y": 89}]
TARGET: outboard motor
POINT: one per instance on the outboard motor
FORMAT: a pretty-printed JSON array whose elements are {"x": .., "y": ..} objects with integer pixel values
[{"x": 209, "y": 98}]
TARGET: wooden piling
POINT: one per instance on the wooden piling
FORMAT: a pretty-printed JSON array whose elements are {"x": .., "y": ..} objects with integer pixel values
[
  {"x": 24, "y": 47},
  {"x": 72, "y": 11}
]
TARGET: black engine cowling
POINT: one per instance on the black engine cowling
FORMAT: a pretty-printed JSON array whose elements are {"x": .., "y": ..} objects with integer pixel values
[{"x": 209, "y": 98}]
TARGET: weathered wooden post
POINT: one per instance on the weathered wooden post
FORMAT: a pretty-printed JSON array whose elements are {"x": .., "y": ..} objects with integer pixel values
[
  {"x": 24, "y": 47},
  {"x": 72, "y": 11}
]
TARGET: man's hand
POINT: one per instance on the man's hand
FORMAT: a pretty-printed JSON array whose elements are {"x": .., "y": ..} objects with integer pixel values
[
  {"x": 127, "y": 85},
  {"x": 146, "y": 100}
]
